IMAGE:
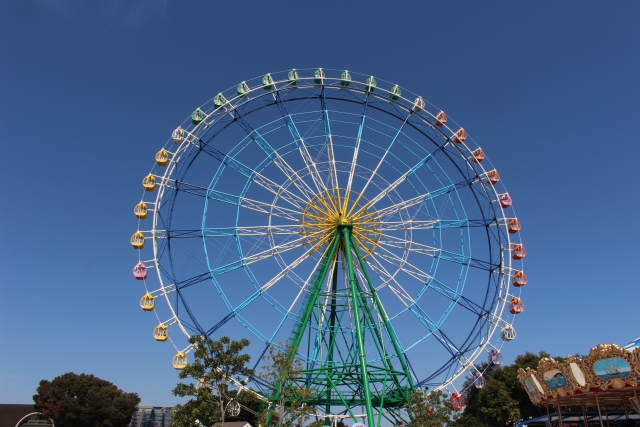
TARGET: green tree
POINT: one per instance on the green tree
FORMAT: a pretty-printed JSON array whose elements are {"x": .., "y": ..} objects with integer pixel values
[
  {"x": 72, "y": 400},
  {"x": 431, "y": 409},
  {"x": 216, "y": 366},
  {"x": 288, "y": 395},
  {"x": 503, "y": 397}
]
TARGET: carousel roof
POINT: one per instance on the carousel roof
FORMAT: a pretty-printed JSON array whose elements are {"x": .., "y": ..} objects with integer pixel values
[
  {"x": 609, "y": 375},
  {"x": 632, "y": 345}
]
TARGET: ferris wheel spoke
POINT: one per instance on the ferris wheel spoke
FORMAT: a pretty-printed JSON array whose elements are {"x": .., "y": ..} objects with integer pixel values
[
  {"x": 403, "y": 264},
  {"x": 386, "y": 277},
  {"x": 331, "y": 158},
  {"x": 311, "y": 238},
  {"x": 433, "y": 224},
  {"x": 254, "y": 176},
  {"x": 354, "y": 160},
  {"x": 276, "y": 158},
  {"x": 395, "y": 208},
  {"x": 380, "y": 163},
  {"x": 402, "y": 179},
  {"x": 285, "y": 271},
  {"x": 255, "y": 205},
  {"x": 302, "y": 146},
  {"x": 258, "y": 230}
]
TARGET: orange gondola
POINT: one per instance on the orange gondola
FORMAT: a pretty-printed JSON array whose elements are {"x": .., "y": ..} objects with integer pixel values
[
  {"x": 518, "y": 252},
  {"x": 492, "y": 177},
  {"x": 519, "y": 279},
  {"x": 441, "y": 119},
  {"x": 457, "y": 401},
  {"x": 460, "y": 136},
  {"x": 478, "y": 155},
  {"x": 516, "y": 306},
  {"x": 513, "y": 226}
]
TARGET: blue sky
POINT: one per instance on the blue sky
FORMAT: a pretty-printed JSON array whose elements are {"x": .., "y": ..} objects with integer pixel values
[{"x": 91, "y": 90}]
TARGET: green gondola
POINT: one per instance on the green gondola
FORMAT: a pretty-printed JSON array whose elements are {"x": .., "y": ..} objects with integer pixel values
[
  {"x": 243, "y": 89},
  {"x": 267, "y": 82},
  {"x": 370, "y": 84},
  {"x": 219, "y": 100},
  {"x": 345, "y": 78},
  {"x": 293, "y": 77},
  {"x": 395, "y": 93},
  {"x": 318, "y": 77},
  {"x": 197, "y": 116}
]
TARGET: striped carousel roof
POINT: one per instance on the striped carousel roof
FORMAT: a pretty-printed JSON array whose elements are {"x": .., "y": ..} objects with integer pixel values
[{"x": 632, "y": 345}]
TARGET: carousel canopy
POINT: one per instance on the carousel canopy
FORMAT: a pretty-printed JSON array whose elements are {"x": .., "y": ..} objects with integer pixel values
[
  {"x": 608, "y": 375},
  {"x": 632, "y": 345}
]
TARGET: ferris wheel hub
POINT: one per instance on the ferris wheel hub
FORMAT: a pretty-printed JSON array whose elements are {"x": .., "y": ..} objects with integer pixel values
[{"x": 338, "y": 208}]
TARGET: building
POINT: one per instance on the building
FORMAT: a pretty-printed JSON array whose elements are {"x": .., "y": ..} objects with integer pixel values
[
  {"x": 13, "y": 415},
  {"x": 152, "y": 416}
]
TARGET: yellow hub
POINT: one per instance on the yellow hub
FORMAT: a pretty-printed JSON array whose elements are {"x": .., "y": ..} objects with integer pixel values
[{"x": 324, "y": 213}]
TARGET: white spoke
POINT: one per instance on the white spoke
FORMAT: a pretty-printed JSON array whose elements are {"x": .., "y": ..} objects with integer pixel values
[
  {"x": 279, "y": 191},
  {"x": 267, "y": 208},
  {"x": 403, "y": 265},
  {"x": 258, "y": 230},
  {"x": 408, "y": 245},
  {"x": 375, "y": 171},
  {"x": 311, "y": 238},
  {"x": 295, "y": 263},
  {"x": 354, "y": 160},
  {"x": 405, "y": 204},
  {"x": 397, "y": 289}
]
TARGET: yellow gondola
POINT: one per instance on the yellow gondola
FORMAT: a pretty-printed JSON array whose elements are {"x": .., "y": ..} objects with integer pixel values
[
  {"x": 180, "y": 361},
  {"x": 161, "y": 332},
  {"x": 149, "y": 183},
  {"x": 147, "y": 302},
  {"x": 141, "y": 210},
  {"x": 137, "y": 240},
  {"x": 162, "y": 158}
]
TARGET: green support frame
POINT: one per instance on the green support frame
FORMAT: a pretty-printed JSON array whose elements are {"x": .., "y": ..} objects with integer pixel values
[{"x": 350, "y": 318}]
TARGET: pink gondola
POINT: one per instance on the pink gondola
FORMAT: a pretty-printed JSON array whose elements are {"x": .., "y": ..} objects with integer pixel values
[
  {"x": 140, "y": 271},
  {"x": 505, "y": 200}
]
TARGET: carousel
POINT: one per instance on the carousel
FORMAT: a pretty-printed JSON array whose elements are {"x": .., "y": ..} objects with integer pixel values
[{"x": 599, "y": 389}]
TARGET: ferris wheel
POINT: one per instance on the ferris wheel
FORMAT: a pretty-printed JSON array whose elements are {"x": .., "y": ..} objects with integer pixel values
[{"x": 344, "y": 216}]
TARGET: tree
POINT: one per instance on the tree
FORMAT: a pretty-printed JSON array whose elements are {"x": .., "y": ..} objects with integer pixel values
[
  {"x": 282, "y": 371},
  {"x": 216, "y": 366},
  {"x": 430, "y": 409},
  {"x": 72, "y": 400},
  {"x": 503, "y": 397}
]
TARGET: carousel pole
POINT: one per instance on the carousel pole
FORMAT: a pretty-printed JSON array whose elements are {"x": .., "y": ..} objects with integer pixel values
[
  {"x": 599, "y": 413},
  {"x": 606, "y": 412},
  {"x": 549, "y": 416},
  {"x": 559, "y": 410},
  {"x": 584, "y": 416},
  {"x": 626, "y": 413}
]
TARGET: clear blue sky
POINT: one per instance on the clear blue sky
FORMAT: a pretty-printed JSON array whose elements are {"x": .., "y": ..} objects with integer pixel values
[{"x": 89, "y": 91}]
